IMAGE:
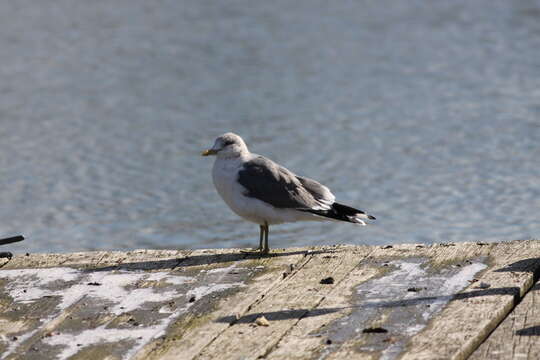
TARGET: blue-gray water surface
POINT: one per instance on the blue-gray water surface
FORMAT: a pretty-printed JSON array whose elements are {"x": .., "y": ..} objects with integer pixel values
[{"x": 426, "y": 114}]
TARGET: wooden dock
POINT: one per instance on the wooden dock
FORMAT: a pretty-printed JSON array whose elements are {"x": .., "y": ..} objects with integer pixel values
[{"x": 444, "y": 301}]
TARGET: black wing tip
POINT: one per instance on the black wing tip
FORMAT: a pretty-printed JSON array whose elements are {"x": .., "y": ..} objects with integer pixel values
[
  {"x": 371, "y": 217},
  {"x": 11, "y": 240}
]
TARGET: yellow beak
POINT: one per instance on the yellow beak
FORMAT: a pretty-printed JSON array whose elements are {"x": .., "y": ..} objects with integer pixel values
[{"x": 209, "y": 152}]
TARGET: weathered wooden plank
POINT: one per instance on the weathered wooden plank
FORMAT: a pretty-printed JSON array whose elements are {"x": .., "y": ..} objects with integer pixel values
[
  {"x": 203, "y": 304},
  {"x": 518, "y": 336},
  {"x": 375, "y": 295},
  {"x": 475, "y": 312},
  {"x": 42, "y": 295},
  {"x": 307, "y": 338},
  {"x": 26, "y": 309},
  {"x": 284, "y": 305},
  {"x": 392, "y": 309},
  {"x": 444, "y": 262},
  {"x": 128, "y": 304},
  {"x": 4, "y": 261},
  {"x": 50, "y": 260},
  {"x": 191, "y": 333},
  {"x": 92, "y": 259}
]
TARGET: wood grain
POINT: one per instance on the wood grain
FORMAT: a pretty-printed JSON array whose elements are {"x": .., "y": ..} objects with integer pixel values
[
  {"x": 518, "y": 336},
  {"x": 406, "y": 301}
]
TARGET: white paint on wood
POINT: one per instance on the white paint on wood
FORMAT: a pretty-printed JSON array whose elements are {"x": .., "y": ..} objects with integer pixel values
[
  {"x": 294, "y": 302},
  {"x": 387, "y": 302},
  {"x": 28, "y": 285},
  {"x": 449, "y": 287},
  {"x": 72, "y": 343},
  {"x": 14, "y": 344},
  {"x": 116, "y": 287}
]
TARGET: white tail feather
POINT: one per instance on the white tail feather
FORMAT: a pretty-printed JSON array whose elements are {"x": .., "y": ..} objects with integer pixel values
[
  {"x": 361, "y": 216},
  {"x": 356, "y": 219}
]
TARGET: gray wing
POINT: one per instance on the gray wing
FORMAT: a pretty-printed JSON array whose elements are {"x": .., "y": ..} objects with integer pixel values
[
  {"x": 320, "y": 192},
  {"x": 279, "y": 187}
]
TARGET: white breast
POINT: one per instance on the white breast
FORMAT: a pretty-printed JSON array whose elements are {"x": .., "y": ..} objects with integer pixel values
[{"x": 224, "y": 174}]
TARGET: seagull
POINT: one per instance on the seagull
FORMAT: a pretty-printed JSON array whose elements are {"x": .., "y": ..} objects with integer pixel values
[{"x": 261, "y": 191}]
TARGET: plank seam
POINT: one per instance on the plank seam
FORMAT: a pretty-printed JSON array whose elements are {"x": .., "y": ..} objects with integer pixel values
[
  {"x": 281, "y": 280},
  {"x": 274, "y": 346},
  {"x": 7, "y": 262},
  {"x": 101, "y": 259},
  {"x": 180, "y": 260},
  {"x": 296, "y": 270},
  {"x": 517, "y": 300},
  {"x": 276, "y": 282}
]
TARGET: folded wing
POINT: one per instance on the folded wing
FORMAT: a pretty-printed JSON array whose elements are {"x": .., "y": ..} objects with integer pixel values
[{"x": 269, "y": 182}]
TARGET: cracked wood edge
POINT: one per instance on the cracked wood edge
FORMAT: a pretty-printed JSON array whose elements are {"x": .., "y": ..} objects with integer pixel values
[
  {"x": 92, "y": 259},
  {"x": 284, "y": 306},
  {"x": 468, "y": 319},
  {"x": 517, "y": 337}
]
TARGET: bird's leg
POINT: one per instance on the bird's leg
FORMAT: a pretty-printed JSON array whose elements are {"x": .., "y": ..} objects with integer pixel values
[
  {"x": 261, "y": 237},
  {"x": 265, "y": 249}
]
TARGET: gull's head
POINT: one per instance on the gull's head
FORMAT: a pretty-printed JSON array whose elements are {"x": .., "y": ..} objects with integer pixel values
[{"x": 228, "y": 145}]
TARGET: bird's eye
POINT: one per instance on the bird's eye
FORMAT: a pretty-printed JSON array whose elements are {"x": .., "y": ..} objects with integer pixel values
[{"x": 228, "y": 142}]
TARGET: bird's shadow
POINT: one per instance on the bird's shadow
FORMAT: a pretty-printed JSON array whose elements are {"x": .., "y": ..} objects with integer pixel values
[
  {"x": 278, "y": 315},
  {"x": 201, "y": 260},
  {"x": 303, "y": 313},
  {"x": 514, "y": 291}
]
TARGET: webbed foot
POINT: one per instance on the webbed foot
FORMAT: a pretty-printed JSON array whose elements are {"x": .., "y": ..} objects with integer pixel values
[{"x": 251, "y": 251}]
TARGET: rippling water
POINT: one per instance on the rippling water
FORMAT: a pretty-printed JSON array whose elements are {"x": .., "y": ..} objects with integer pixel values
[{"x": 427, "y": 116}]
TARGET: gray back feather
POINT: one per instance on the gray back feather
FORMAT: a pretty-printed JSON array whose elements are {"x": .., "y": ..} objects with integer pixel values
[{"x": 279, "y": 187}]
